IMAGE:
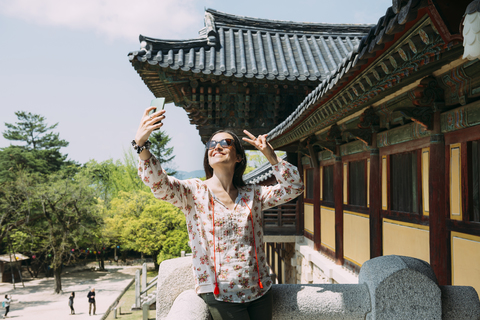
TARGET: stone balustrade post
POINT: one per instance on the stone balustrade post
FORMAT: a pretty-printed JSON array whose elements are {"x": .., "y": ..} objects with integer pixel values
[{"x": 390, "y": 287}]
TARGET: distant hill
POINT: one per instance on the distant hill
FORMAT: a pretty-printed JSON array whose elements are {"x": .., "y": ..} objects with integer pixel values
[{"x": 188, "y": 175}]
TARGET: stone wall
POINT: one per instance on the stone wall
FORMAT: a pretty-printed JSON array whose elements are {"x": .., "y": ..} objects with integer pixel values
[{"x": 389, "y": 287}]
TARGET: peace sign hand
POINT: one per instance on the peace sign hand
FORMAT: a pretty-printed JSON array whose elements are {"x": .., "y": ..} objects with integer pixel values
[{"x": 262, "y": 145}]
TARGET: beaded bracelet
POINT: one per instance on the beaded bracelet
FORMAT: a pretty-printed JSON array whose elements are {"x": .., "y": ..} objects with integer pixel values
[{"x": 139, "y": 149}]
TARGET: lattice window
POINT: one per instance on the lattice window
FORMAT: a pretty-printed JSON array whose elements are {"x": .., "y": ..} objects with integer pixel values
[
  {"x": 309, "y": 183},
  {"x": 357, "y": 186},
  {"x": 403, "y": 182},
  {"x": 328, "y": 184}
]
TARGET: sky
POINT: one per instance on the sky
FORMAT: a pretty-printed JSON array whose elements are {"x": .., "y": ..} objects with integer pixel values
[{"x": 67, "y": 61}]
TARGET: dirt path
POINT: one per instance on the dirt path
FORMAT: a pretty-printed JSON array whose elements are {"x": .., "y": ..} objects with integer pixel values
[{"x": 38, "y": 302}]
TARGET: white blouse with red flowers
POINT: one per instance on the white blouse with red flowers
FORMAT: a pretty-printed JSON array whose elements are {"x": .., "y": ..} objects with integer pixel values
[{"x": 236, "y": 263}]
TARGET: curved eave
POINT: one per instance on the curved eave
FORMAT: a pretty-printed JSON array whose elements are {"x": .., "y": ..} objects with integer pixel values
[
  {"x": 246, "y": 54},
  {"x": 380, "y": 34}
]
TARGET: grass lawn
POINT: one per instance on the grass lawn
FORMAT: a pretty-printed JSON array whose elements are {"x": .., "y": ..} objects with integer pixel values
[{"x": 128, "y": 299}]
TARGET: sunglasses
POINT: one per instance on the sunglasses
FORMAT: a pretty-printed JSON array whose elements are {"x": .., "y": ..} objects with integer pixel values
[{"x": 224, "y": 143}]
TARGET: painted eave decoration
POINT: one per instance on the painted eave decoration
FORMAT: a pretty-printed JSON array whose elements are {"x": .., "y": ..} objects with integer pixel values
[{"x": 389, "y": 53}]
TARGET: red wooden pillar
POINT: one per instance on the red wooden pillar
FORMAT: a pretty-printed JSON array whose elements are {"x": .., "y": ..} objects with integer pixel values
[
  {"x": 440, "y": 257},
  {"x": 300, "y": 214},
  {"x": 338, "y": 198},
  {"x": 316, "y": 208},
  {"x": 375, "y": 201}
]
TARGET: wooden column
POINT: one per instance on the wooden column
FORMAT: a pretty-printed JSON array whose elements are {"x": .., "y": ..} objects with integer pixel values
[
  {"x": 300, "y": 214},
  {"x": 375, "y": 201},
  {"x": 440, "y": 257},
  {"x": 316, "y": 208},
  {"x": 338, "y": 198}
]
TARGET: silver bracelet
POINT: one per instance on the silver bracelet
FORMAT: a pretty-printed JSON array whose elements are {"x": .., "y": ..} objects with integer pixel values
[{"x": 139, "y": 149}]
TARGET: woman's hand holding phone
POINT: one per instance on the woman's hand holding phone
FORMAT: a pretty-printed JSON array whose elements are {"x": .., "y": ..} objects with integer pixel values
[{"x": 151, "y": 120}]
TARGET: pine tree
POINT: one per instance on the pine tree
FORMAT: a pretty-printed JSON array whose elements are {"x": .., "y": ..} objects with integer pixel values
[
  {"x": 39, "y": 151},
  {"x": 161, "y": 151},
  {"x": 33, "y": 130}
]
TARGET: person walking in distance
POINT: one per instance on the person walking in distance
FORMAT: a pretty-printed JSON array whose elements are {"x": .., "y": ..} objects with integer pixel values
[
  {"x": 224, "y": 218},
  {"x": 91, "y": 302},
  {"x": 6, "y": 304},
  {"x": 70, "y": 303}
]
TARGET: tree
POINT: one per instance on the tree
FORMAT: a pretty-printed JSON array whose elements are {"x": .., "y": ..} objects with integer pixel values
[
  {"x": 40, "y": 151},
  {"x": 147, "y": 225},
  {"x": 32, "y": 130},
  {"x": 159, "y": 149},
  {"x": 109, "y": 178},
  {"x": 18, "y": 205},
  {"x": 66, "y": 218}
]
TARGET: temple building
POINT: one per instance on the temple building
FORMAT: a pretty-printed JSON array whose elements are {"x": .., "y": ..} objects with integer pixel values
[{"x": 383, "y": 121}]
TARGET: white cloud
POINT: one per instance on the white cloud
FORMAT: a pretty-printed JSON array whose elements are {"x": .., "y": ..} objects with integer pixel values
[{"x": 112, "y": 18}]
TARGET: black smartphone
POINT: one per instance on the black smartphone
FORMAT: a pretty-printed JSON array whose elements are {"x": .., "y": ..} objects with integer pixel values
[{"x": 159, "y": 104}]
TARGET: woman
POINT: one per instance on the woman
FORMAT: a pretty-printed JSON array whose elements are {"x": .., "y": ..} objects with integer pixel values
[
  {"x": 225, "y": 214},
  {"x": 70, "y": 302}
]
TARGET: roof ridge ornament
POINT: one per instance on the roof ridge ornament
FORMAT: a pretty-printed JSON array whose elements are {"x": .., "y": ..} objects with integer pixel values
[
  {"x": 210, "y": 28},
  {"x": 471, "y": 30}
]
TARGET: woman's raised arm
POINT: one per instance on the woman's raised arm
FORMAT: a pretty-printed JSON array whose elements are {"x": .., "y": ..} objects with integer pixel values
[
  {"x": 147, "y": 125},
  {"x": 262, "y": 145}
]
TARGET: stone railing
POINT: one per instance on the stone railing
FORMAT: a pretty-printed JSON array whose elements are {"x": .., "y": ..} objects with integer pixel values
[{"x": 390, "y": 287}]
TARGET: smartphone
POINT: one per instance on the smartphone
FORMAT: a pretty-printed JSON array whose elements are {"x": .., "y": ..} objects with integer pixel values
[{"x": 159, "y": 104}]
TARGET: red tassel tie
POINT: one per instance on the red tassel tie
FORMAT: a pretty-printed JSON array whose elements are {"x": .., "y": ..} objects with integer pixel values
[
  {"x": 260, "y": 284},
  {"x": 216, "y": 291}
]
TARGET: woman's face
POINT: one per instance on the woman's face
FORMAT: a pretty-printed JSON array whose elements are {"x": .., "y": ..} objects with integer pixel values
[{"x": 223, "y": 155}]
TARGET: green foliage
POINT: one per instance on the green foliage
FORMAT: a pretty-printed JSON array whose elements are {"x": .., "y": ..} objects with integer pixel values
[
  {"x": 48, "y": 205},
  {"x": 18, "y": 202},
  {"x": 40, "y": 149},
  {"x": 32, "y": 130},
  {"x": 148, "y": 225},
  {"x": 50, "y": 215},
  {"x": 109, "y": 178}
]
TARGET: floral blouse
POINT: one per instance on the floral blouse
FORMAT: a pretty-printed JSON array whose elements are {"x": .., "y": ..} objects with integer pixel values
[{"x": 236, "y": 263}]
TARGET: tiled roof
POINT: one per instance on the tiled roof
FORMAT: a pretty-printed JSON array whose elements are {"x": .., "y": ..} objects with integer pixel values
[
  {"x": 391, "y": 23},
  {"x": 240, "y": 46},
  {"x": 260, "y": 174}
]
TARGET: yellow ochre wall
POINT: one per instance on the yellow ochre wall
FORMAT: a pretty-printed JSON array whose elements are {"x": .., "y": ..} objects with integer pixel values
[
  {"x": 466, "y": 260},
  {"x": 406, "y": 239},
  {"x": 455, "y": 182},
  {"x": 327, "y": 225},
  {"x": 425, "y": 180},
  {"x": 356, "y": 237},
  {"x": 308, "y": 222},
  {"x": 384, "y": 183}
]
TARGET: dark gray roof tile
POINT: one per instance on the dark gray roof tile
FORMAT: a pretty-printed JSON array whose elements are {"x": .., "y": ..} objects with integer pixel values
[{"x": 238, "y": 46}]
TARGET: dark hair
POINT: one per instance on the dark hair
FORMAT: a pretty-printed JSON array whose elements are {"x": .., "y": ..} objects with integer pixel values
[
  {"x": 239, "y": 166},
  {"x": 73, "y": 294},
  {"x": 6, "y": 296}
]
